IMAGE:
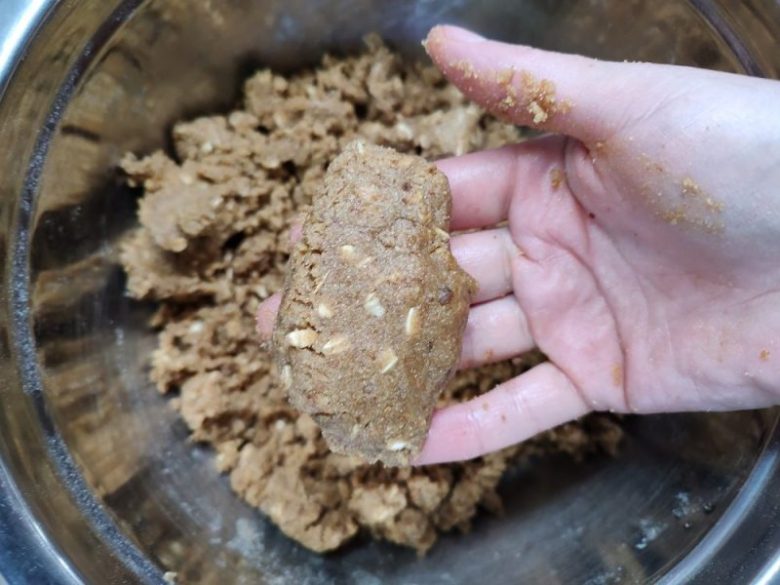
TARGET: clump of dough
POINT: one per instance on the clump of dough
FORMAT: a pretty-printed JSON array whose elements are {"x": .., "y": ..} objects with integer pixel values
[{"x": 374, "y": 304}]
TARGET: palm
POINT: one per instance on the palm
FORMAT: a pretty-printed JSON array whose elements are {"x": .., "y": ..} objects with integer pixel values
[{"x": 619, "y": 292}]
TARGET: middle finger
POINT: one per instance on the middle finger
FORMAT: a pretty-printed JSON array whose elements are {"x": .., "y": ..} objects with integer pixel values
[{"x": 487, "y": 256}]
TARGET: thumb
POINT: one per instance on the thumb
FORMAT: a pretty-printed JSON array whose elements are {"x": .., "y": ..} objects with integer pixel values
[{"x": 568, "y": 94}]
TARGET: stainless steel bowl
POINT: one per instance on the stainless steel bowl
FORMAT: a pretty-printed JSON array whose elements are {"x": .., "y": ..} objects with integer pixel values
[{"x": 97, "y": 482}]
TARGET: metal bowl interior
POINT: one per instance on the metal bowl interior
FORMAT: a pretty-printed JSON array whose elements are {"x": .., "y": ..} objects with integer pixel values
[{"x": 99, "y": 482}]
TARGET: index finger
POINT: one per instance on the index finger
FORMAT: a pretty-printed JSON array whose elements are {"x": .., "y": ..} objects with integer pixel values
[{"x": 484, "y": 183}]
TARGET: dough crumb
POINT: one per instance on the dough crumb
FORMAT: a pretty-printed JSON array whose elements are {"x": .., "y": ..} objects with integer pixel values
[
  {"x": 687, "y": 205},
  {"x": 210, "y": 250},
  {"x": 692, "y": 189},
  {"x": 539, "y": 97},
  {"x": 556, "y": 178},
  {"x": 466, "y": 69},
  {"x": 617, "y": 375},
  {"x": 536, "y": 97}
]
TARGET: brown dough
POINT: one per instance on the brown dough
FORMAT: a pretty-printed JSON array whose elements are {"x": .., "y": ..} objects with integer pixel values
[
  {"x": 374, "y": 304},
  {"x": 262, "y": 164}
]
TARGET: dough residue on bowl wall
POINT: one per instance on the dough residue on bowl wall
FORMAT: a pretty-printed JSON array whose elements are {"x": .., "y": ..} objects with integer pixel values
[{"x": 213, "y": 243}]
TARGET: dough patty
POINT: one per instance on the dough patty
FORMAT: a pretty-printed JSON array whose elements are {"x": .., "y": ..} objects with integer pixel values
[{"x": 374, "y": 305}]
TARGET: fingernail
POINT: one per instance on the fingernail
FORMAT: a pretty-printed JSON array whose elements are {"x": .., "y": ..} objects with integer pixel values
[{"x": 461, "y": 35}]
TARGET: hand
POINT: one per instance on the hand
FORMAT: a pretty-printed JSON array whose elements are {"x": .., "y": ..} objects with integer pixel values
[{"x": 641, "y": 244}]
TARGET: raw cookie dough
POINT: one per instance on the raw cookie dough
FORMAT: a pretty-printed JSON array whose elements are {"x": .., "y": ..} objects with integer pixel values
[
  {"x": 261, "y": 164},
  {"x": 374, "y": 304}
]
